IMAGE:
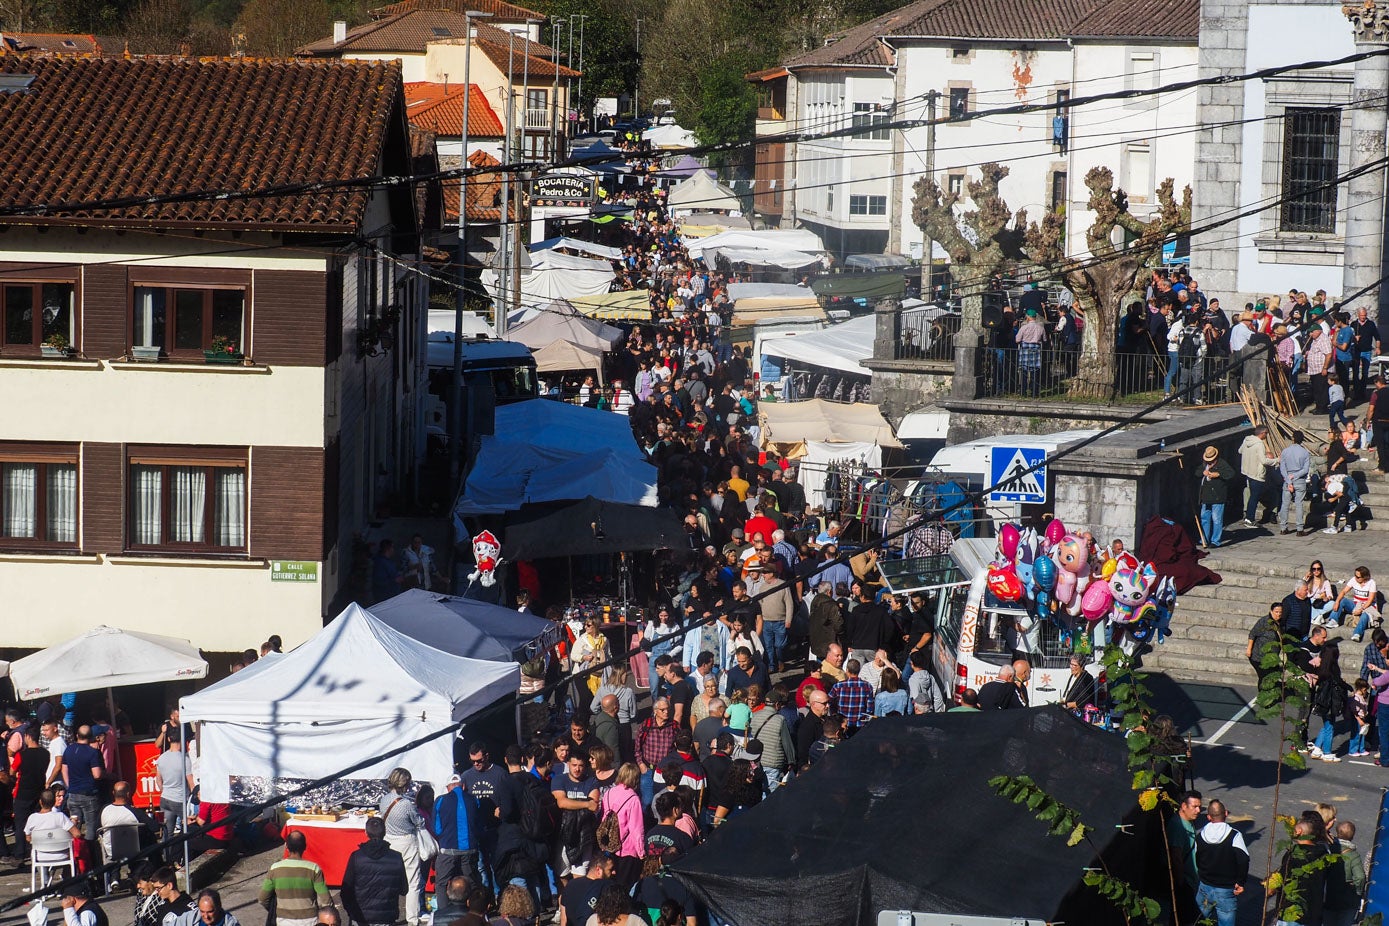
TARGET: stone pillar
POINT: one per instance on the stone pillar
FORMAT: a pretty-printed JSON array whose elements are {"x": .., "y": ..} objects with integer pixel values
[
  {"x": 887, "y": 331},
  {"x": 967, "y": 382},
  {"x": 1364, "y": 256}
]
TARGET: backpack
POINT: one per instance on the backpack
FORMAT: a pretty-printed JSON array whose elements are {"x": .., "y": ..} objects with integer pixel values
[{"x": 539, "y": 818}]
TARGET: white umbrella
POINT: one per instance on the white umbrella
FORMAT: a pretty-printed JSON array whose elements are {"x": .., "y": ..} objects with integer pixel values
[{"x": 105, "y": 657}]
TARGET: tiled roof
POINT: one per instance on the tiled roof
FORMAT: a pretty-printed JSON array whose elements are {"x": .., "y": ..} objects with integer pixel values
[
  {"x": 522, "y": 44},
  {"x": 484, "y": 192},
  {"x": 404, "y": 31},
  {"x": 1028, "y": 20},
  {"x": 56, "y": 43},
  {"x": 500, "y": 9},
  {"x": 1168, "y": 19},
  {"x": 438, "y": 108},
  {"x": 500, "y": 54},
  {"x": 92, "y": 129}
]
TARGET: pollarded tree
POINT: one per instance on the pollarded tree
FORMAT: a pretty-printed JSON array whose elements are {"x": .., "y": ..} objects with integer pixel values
[{"x": 1113, "y": 273}]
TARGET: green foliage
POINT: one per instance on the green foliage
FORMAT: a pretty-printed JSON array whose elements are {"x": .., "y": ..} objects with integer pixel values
[
  {"x": 1133, "y": 904},
  {"x": 1060, "y": 819},
  {"x": 1284, "y": 695},
  {"x": 610, "y": 61},
  {"x": 727, "y": 104}
]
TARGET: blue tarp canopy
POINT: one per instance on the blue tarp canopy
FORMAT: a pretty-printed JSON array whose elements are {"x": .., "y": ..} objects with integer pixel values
[
  {"x": 465, "y": 626},
  {"x": 1377, "y": 891}
]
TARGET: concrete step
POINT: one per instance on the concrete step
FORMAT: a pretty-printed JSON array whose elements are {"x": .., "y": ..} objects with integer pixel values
[
  {"x": 1200, "y": 668},
  {"x": 1197, "y": 629},
  {"x": 1260, "y": 595}
]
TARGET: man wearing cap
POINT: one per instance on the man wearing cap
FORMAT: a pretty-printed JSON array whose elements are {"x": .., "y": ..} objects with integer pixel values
[
  {"x": 79, "y": 909},
  {"x": 1213, "y": 493}
]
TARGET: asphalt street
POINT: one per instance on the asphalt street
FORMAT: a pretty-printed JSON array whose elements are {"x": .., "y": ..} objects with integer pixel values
[{"x": 1234, "y": 758}]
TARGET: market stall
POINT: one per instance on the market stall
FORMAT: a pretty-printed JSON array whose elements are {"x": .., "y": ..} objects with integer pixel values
[
  {"x": 702, "y": 193},
  {"x": 630, "y": 305},
  {"x": 356, "y": 687},
  {"x": 568, "y": 357},
  {"x": 562, "y": 322}
]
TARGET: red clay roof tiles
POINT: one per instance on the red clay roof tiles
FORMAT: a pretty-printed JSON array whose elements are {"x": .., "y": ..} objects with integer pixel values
[
  {"x": 438, "y": 108},
  {"x": 94, "y": 129}
]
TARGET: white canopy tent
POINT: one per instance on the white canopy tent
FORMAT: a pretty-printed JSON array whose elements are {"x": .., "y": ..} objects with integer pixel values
[
  {"x": 790, "y": 240},
  {"x": 838, "y": 347},
  {"x": 353, "y": 690},
  {"x": 105, "y": 657},
  {"x": 574, "y": 244},
  {"x": 702, "y": 193},
  {"x": 555, "y": 275},
  {"x": 565, "y": 356},
  {"x": 670, "y": 136},
  {"x": 793, "y": 423}
]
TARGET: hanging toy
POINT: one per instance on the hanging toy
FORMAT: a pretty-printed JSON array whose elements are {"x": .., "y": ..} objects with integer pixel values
[
  {"x": 1008, "y": 538},
  {"x": 1096, "y": 602},
  {"x": 1129, "y": 588},
  {"x": 1108, "y": 569},
  {"x": 1044, "y": 573},
  {"x": 1003, "y": 582},
  {"x": 1074, "y": 575},
  {"x": 1055, "y": 532},
  {"x": 487, "y": 552}
]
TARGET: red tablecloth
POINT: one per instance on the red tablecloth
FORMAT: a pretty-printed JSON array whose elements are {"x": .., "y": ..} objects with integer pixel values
[{"x": 329, "y": 844}]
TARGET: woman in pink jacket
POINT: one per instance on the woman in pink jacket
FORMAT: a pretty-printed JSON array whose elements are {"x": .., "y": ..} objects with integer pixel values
[{"x": 624, "y": 799}]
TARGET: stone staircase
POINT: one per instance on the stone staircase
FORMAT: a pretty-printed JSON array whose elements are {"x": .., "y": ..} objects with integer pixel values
[{"x": 1258, "y": 567}]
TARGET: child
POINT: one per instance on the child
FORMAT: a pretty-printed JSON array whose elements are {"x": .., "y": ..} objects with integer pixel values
[
  {"x": 1336, "y": 401},
  {"x": 1360, "y": 702},
  {"x": 739, "y": 713}
]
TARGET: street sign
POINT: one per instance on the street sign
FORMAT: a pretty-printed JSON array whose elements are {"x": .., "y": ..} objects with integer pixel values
[
  {"x": 563, "y": 190},
  {"x": 293, "y": 571},
  {"x": 1010, "y": 465}
]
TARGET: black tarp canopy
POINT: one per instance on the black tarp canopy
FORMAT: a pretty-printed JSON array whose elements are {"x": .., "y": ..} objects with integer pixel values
[
  {"x": 589, "y": 526},
  {"x": 901, "y": 818}
]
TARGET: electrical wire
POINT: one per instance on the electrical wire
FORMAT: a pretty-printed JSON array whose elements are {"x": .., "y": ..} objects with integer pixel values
[{"x": 508, "y": 706}]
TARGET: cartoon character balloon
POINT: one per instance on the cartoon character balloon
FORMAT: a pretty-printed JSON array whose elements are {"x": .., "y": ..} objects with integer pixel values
[
  {"x": 1004, "y": 583},
  {"x": 1074, "y": 574},
  {"x": 487, "y": 551},
  {"x": 1129, "y": 588}
]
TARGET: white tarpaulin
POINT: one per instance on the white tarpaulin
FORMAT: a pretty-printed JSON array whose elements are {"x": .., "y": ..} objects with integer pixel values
[
  {"x": 553, "y": 275},
  {"x": 702, "y": 193},
  {"x": 819, "y": 454},
  {"x": 546, "y": 451},
  {"x": 354, "y": 689},
  {"x": 838, "y": 347},
  {"x": 787, "y": 260},
  {"x": 670, "y": 136},
  {"x": 769, "y": 239},
  {"x": 738, "y": 291},
  {"x": 563, "y": 356},
  {"x": 105, "y": 657}
]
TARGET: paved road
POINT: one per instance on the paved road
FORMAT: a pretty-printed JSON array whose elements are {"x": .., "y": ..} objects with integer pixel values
[{"x": 1234, "y": 759}]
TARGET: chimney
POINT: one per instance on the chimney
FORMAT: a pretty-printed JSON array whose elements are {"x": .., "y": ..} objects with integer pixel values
[{"x": 339, "y": 31}]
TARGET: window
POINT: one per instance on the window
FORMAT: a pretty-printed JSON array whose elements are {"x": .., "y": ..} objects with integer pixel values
[
  {"x": 38, "y": 495},
  {"x": 1058, "y": 192},
  {"x": 959, "y": 101},
  {"x": 955, "y": 184},
  {"x": 34, "y": 312},
  {"x": 869, "y": 115},
  {"x": 187, "y": 500},
  {"x": 1311, "y": 156},
  {"x": 867, "y": 205},
  {"x": 1137, "y": 165},
  {"x": 959, "y": 51},
  {"x": 829, "y": 198},
  {"x": 183, "y": 321},
  {"x": 1141, "y": 71}
]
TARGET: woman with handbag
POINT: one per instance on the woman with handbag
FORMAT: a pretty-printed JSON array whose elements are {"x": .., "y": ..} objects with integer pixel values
[
  {"x": 1329, "y": 701},
  {"x": 407, "y": 833},
  {"x": 622, "y": 828}
]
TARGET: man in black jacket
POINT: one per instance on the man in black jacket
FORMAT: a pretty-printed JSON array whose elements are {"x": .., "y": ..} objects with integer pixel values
[
  {"x": 1306, "y": 657},
  {"x": 1297, "y": 612},
  {"x": 868, "y": 628},
  {"x": 374, "y": 880},
  {"x": 1001, "y": 694}
]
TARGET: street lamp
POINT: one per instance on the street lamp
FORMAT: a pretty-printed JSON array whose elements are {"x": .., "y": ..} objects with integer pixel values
[
  {"x": 456, "y": 389},
  {"x": 636, "y": 90},
  {"x": 553, "y": 153}
]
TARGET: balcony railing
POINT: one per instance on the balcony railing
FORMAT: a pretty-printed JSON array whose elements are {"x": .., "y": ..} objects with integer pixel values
[
  {"x": 770, "y": 112},
  {"x": 537, "y": 118},
  {"x": 927, "y": 334},
  {"x": 1047, "y": 372}
]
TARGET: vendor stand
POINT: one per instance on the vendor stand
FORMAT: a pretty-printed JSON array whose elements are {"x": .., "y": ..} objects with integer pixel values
[{"x": 330, "y": 840}]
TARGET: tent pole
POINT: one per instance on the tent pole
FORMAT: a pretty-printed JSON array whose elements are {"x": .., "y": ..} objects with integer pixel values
[
  {"x": 187, "y": 801},
  {"x": 111, "y": 716}
]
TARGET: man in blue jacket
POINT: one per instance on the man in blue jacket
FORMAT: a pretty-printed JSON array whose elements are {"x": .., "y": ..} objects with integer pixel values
[{"x": 456, "y": 831}]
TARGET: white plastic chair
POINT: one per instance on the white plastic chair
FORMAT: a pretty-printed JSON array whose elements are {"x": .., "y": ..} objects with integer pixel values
[{"x": 57, "y": 849}]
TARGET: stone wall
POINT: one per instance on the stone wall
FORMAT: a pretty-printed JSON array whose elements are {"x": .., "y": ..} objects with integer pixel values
[
  {"x": 979, "y": 418},
  {"x": 1113, "y": 486},
  {"x": 903, "y": 386}
]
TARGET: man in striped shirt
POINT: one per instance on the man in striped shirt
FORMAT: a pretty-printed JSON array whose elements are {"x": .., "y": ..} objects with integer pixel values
[{"x": 294, "y": 887}]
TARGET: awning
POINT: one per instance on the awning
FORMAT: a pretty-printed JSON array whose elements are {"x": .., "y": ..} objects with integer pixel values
[
  {"x": 105, "y": 657},
  {"x": 563, "y": 356},
  {"x": 786, "y": 260},
  {"x": 876, "y": 261},
  {"x": 702, "y": 193},
  {"x": 927, "y": 424},
  {"x": 819, "y": 420},
  {"x": 838, "y": 347},
  {"x": 574, "y": 244},
  {"x": 767, "y": 239},
  {"x": 627, "y": 305},
  {"x": 880, "y": 284},
  {"x": 561, "y": 321},
  {"x": 772, "y": 308}
]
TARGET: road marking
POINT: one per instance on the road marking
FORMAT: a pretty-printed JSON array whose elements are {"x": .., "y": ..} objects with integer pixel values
[{"x": 1215, "y": 737}]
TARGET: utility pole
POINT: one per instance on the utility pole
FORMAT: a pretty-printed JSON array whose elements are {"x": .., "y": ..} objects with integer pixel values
[
  {"x": 507, "y": 233},
  {"x": 580, "y": 68},
  {"x": 461, "y": 302},
  {"x": 636, "y": 90},
  {"x": 928, "y": 265},
  {"x": 553, "y": 153}
]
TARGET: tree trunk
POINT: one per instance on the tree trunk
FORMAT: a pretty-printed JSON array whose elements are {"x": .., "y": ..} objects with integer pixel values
[{"x": 1097, "y": 369}]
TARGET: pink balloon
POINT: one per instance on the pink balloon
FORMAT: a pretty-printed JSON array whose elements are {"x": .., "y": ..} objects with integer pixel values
[
  {"x": 1096, "y": 601},
  {"x": 1008, "y": 538},
  {"x": 1055, "y": 531}
]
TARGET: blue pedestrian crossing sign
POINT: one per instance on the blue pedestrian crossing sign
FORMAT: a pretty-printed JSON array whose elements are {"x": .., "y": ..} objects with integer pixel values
[{"x": 1008, "y": 469}]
